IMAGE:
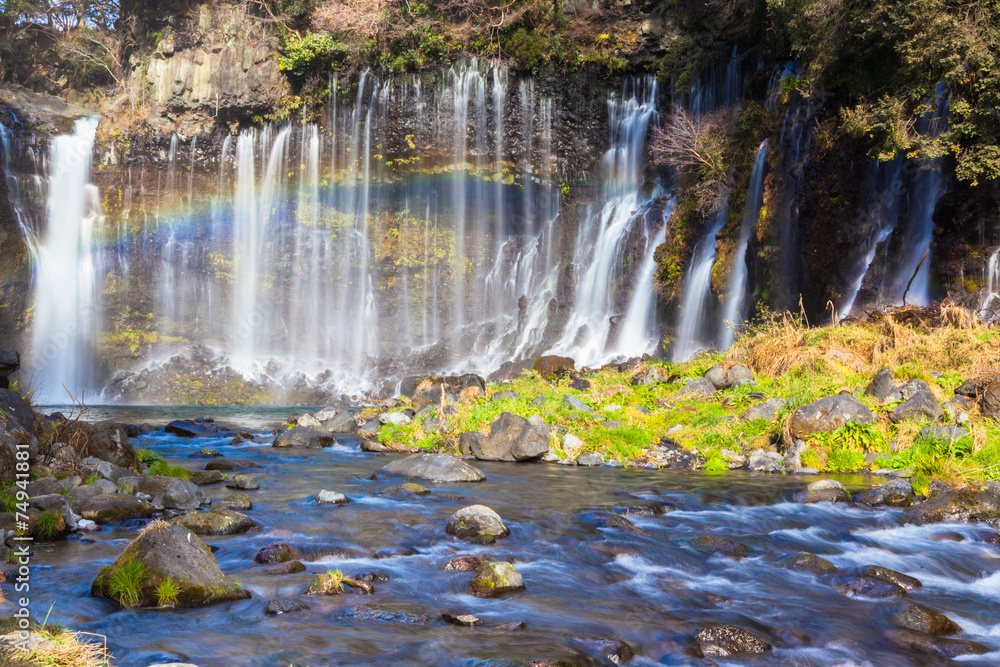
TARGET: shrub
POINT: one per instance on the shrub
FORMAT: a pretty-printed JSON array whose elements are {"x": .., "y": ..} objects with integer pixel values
[
  {"x": 714, "y": 463},
  {"x": 311, "y": 54},
  {"x": 47, "y": 525},
  {"x": 526, "y": 49}
]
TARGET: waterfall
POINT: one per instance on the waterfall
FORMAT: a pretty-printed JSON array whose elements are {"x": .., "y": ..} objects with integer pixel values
[
  {"x": 67, "y": 295},
  {"x": 691, "y": 337},
  {"x": 988, "y": 311},
  {"x": 734, "y": 311}
]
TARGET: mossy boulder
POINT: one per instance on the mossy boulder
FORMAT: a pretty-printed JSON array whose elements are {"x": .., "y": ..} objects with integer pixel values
[
  {"x": 164, "y": 551},
  {"x": 477, "y": 522},
  {"x": 216, "y": 522},
  {"x": 115, "y": 508},
  {"x": 495, "y": 579}
]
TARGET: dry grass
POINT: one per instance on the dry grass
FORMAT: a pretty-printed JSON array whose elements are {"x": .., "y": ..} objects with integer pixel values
[{"x": 68, "y": 649}]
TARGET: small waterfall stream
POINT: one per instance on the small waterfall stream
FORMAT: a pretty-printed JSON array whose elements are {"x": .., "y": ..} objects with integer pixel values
[{"x": 692, "y": 334}]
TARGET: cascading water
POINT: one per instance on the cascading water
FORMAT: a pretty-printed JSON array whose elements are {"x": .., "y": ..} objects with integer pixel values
[
  {"x": 692, "y": 334},
  {"x": 734, "y": 310},
  {"x": 67, "y": 296},
  {"x": 988, "y": 311}
]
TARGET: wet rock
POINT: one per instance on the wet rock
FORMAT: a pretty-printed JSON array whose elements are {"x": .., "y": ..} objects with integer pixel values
[
  {"x": 697, "y": 387},
  {"x": 343, "y": 422},
  {"x": 720, "y": 545},
  {"x": 477, "y": 522},
  {"x": 723, "y": 378},
  {"x": 393, "y": 552},
  {"x": 465, "y": 620},
  {"x": 512, "y": 438},
  {"x": 552, "y": 367},
  {"x": 435, "y": 468},
  {"x": 371, "y": 576},
  {"x": 823, "y": 491},
  {"x": 333, "y": 583},
  {"x": 894, "y": 493},
  {"x": 897, "y": 578},
  {"x": 205, "y": 454},
  {"x": 574, "y": 403},
  {"x": 869, "y": 587},
  {"x": 922, "y": 405},
  {"x": 467, "y": 563},
  {"x": 946, "y": 432},
  {"x": 188, "y": 428},
  {"x": 590, "y": 459},
  {"x": 278, "y": 607},
  {"x": 243, "y": 483},
  {"x": 165, "y": 492},
  {"x": 230, "y": 465},
  {"x": 961, "y": 505},
  {"x": 617, "y": 651},
  {"x": 495, "y": 579},
  {"x": 236, "y": 501},
  {"x": 828, "y": 414},
  {"x": 808, "y": 563},
  {"x": 405, "y": 489},
  {"x": 304, "y": 436},
  {"x": 81, "y": 495},
  {"x": 931, "y": 645},
  {"x": 306, "y": 419},
  {"x": 278, "y": 553},
  {"x": 115, "y": 508},
  {"x": 205, "y": 477},
  {"x": 216, "y": 522},
  {"x": 726, "y": 641},
  {"x": 372, "y": 612},
  {"x": 766, "y": 410},
  {"x": 650, "y": 375},
  {"x": 912, "y": 616},
  {"x": 761, "y": 461},
  {"x": 290, "y": 567},
  {"x": 605, "y": 519},
  {"x": 325, "y": 497},
  {"x": 373, "y": 446},
  {"x": 174, "y": 552}
]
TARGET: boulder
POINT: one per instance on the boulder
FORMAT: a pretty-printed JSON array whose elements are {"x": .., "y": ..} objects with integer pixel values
[
  {"x": 808, "y": 563},
  {"x": 197, "y": 428},
  {"x": 166, "y": 492},
  {"x": 922, "y": 405},
  {"x": 552, "y": 367},
  {"x": 304, "y": 436},
  {"x": 828, "y": 414},
  {"x": 405, "y": 489},
  {"x": 229, "y": 465},
  {"x": 325, "y": 497},
  {"x": 766, "y": 410},
  {"x": 505, "y": 395},
  {"x": 697, "y": 387},
  {"x": 590, "y": 459},
  {"x": 104, "y": 469},
  {"x": 165, "y": 551},
  {"x": 424, "y": 391},
  {"x": 891, "y": 576},
  {"x": 278, "y": 553},
  {"x": 343, "y": 422},
  {"x": 720, "y": 545},
  {"x": 206, "y": 454},
  {"x": 886, "y": 390},
  {"x": 216, "y": 522},
  {"x": 291, "y": 567},
  {"x": 946, "y": 432},
  {"x": 960, "y": 505},
  {"x": 435, "y": 468},
  {"x": 726, "y": 641},
  {"x": 931, "y": 645},
  {"x": 477, "y": 522},
  {"x": 236, "y": 501},
  {"x": 869, "y": 587},
  {"x": 467, "y": 563},
  {"x": 327, "y": 413},
  {"x": 306, "y": 419},
  {"x": 54, "y": 503},
  {"x": 278, "y": 607},
  {"x": 894, "y": 493},
  {"x": 722, "y": 377},
  {"x": 467, "y": 441},
  {"x": 394, "y": 418},
  {"x": 989, "y": 401},
  {"x": 496, "y": 579},
  {"x": 81, "y": 495},
  {"x": 792, "y": 460},
  {"x": 912, "y": 616},
  {"x": 205, "y": 477},
  {"x": 650, "y": 375},
  {"x": 572, "y": 445},
  {"x": 761, "y": 461},
  {"x": 15, "y": 412},
  {"x": 115, "y": 508},
  {"x": 104, "y": 440},
  {"x": 242, "y": 483},
  {"x": 824, "y": 490},
  {"x": 512, "y": 438},
  {"x": 574, "y": 403}
]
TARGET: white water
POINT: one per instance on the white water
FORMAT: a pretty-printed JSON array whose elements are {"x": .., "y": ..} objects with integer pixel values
[
  {"x": 639, "y": 332},
  {"x": 734, "y": 310},
  {"x": 691, "y": 335},
  {"x": 67, "y": 293},
  {"x": 987, "y": 311}
]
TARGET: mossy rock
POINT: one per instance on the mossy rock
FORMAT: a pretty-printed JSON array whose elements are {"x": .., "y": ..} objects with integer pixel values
[
  {"x": 216, "y": 522},
  {"x": 170, "y": 551},
  {"x": 496, "y": 579},
  {"x": 115, "y": 508}
]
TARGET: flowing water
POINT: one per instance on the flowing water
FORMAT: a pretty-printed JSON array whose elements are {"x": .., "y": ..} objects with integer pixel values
[
  {"x": 584, "y": 584},
  {"x": 693, "y": 333}
]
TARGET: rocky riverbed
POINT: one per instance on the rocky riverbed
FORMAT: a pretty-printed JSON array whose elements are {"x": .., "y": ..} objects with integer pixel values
[{"x": 327, "y": 556}]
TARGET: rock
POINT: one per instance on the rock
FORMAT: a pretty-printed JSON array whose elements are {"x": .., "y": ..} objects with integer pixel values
[
  {"x": 590, "y": 459},
  {"x": 697, "y": 387},
  {"x": 236, "y": 501},
  {"x": 580, "y": 385},
  {"x": 891, "y": 576},
  {"x": 172, "y": 551},
  {"x": 205, "y": 454},
  {"x": 723, "y": 378},
  {"x": 105, "y": 440},
  {"x": 325, "y": 497},
  {"x": 650, "y": 375},
  {"x": 465, "y": 620},
  {"x": 505, "y": 396},
  {"x": 329, "y": 583},
  {"x": 792, "y": 460},
  {"x": 828, "y": 414},
  {"x": 721, "y": 545},
  {"x": 808, "y": 563},
  {"x": 369, "y": 430},
  {"x": 81, "y": 495},
  {"x": 477, "y": 522},
  {"x": 467, "y": 563},
  {"x": 115, "y": 508},
  {"x": 912, "y": 616},
  {"x": 870, "y": 587},
  {"x": 277, "y": 607},
  {"x": 291, "y": 567},
  {"x": 886, "y": 390},
  {"x": 187, "y": 428},
  {"x": 538, "y": 402},
  {"x": 989, "y": 401},
  {"x": 54, "y": 503},
  {"x": 326, "y": 414},
  {"x": 946, "y": 432},
  {"x": 278, "y": 553},
  {"x": 922, "y": 405},
  {"x": 229, "y": 465},
  {"x": 895, "y": 493},
  {"x": 205, "y": 477},
  {"x": 823, "y": 491},
  {"x": 939, "y": 646},
  {"x": 575, "y": 403},
  {"x": 766, "y": 410},
  {"x": 394, "y": 418},
  {"x": 343, "y": 422},
  {"x": 435, "y": 468},
  {"x": 572, "y": 445},
  {"x": 495, "y": 579},
  {"x": 729, "y": 640},
  {"x": 760, "y": 461},
  {"x": 512, "y": 438},
  {"x": 552, "y": 367},
  {"x": 165, "y": 492},
  {"x": 424, "y": 391},
  {"x": 405, "y": 489},
  {"x": 216, "y": 522},
  {"x": 373, "y": 447},
  {"x": 15, "y": 411},
  {"x": 243, "y": 483},
  {"x": 467, "y": 441},
  {"x": 104, "y": 469},
  {"x": 304, "y": 436},
  {"x": 962, "y": 505}
]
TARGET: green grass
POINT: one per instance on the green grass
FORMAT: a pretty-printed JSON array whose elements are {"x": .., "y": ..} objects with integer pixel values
[
  {"x": 167, "y": 470},
  {"x": 8, "y": 499},
  {"x": 843, "y": 460},
  {"x": 167, "y": 592},
  {"x": 124, "y": 581},
  {"x": 147, "y": 456},
  {"x": 47, "y": 525}
]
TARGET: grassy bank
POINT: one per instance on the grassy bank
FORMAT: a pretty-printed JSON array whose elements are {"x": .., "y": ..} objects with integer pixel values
[{"x": 942, "y": 347}]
